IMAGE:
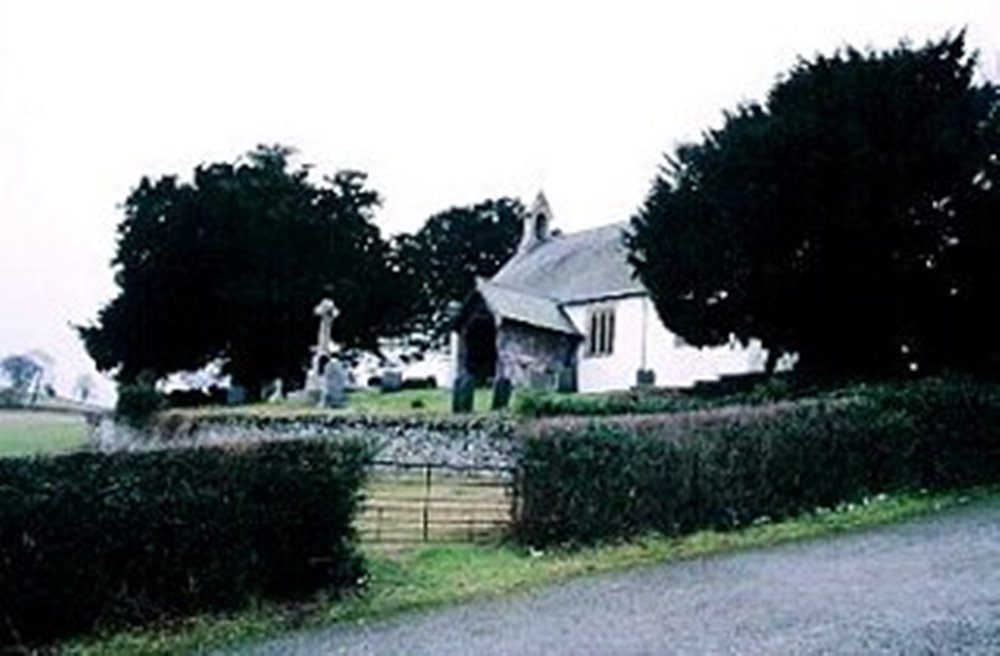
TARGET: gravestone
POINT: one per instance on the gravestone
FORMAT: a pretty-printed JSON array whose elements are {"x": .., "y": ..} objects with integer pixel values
[
  {"x": 277, "y": 392},
  {"x": 502, "y": 390},
  {"x": 334, "y": 394},
  {"x": 566, "y": 381},
  {"x": 236, "y": 395},
  {"x": 327, "y": 312},
  {"x": 463, "y": 394},
  {"x": 645, "y": 378},
  {"x": 391, "y": 381}
]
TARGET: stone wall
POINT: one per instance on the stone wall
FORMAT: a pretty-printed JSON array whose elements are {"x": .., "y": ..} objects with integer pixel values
[
  {"x": 466, "y": 442},
  {"x": 531, "y": 357}
]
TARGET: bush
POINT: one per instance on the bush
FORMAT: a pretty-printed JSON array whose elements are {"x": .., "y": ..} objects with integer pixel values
[
  {"x": 583, "y": 481},
  {"x": 101, "y": 540},
  {"x": 737, "y": 390},
  {"x": 138, "y": 402},
  {"x": 194, "y": 398},
  {"x": 430, "y": 382},
  {"x": 534, "y": 403}
]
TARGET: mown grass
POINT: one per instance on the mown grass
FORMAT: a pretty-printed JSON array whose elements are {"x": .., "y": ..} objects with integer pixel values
[
  {"x": 431, "y": 577},
  {"x": 424, "y": 402},
  {"x": 29, "y": 432}
]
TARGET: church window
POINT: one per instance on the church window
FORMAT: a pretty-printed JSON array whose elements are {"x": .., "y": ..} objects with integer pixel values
[{"x": 600, "y": 332}]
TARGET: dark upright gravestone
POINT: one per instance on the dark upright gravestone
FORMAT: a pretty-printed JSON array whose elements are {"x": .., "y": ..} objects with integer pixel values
[
  {"x": 566, "y": 380},
  {"x": 334, "y": 391},
  {"x": 502, "y": 389},
  {"x": 392, "y": 381},
  {"x": 645, "y": 378},
  {"x": 236, "y": 395},
  {"x": 463, "y": 395}
]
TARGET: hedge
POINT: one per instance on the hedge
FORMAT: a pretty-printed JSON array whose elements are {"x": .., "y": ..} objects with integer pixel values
[
  {"x": 742, "y": 390},
  {"x": 92, "y": 541},
  {"x": 584, "y": 481}
]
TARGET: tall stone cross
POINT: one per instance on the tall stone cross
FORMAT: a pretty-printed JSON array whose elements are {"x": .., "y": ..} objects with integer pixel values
[{"x": 326, "y": 311}]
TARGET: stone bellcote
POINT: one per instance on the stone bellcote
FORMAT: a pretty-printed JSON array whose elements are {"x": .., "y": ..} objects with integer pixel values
[{"x": 536, "y": 224}]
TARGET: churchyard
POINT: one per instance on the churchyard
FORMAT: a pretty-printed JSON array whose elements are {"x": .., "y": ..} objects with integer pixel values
[{"x": 185, "y": 529}]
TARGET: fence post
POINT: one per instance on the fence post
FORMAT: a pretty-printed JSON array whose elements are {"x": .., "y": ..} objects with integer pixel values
[
  {"x": 427, "y": 501},
  {"x": 515, "y": 511}
]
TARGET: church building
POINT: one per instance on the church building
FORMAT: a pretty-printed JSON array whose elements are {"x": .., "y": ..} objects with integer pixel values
[{"x": 567, "y": 312}]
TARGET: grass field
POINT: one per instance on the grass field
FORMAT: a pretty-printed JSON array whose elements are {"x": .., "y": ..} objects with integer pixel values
[{"x": 25, "y": 432}]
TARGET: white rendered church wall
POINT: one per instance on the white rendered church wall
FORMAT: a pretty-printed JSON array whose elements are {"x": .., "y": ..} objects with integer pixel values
[{"x": 642, "y": 341}]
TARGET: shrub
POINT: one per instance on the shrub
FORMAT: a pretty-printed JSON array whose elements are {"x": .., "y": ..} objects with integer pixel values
[
  {"x": 193, "y": 398},
  {"x": 430, "y": 382},
  {"x": 583, "y": 481},
  {"x": 138, "y": 402},
  {"x": 747, "y": 389},
  {"x": 101, "y": 540},
  {"x": 534, "y": 403}
]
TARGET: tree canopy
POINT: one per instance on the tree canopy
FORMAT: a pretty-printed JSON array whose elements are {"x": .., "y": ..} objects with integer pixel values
[
  {"x": 441, "y": 261},
  {"x": 852, "y": 218},
  {"x": 231, "y": 264},
  {"x": 22, "y": 372}
]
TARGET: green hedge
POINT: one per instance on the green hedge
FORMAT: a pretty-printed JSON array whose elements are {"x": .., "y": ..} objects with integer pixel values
[
  {"x": 583, "y": 481},
  {"x": 91, "y": 541},
  {"x": 746, "y": 390}
]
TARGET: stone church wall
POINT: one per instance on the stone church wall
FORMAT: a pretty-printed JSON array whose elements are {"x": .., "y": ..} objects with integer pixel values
[{"x": 534, "y": 358}]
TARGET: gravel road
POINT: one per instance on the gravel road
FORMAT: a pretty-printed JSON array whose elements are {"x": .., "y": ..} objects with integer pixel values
[{"x": 929, "y": 586}]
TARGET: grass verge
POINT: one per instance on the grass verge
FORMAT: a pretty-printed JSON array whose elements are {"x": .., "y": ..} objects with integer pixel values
[
  {"x": 425, "y": 402},
  {"x": 431, "y": 577}
]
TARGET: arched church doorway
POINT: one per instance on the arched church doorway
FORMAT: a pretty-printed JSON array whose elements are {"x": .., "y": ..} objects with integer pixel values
[{"x": 480, "y": 353}]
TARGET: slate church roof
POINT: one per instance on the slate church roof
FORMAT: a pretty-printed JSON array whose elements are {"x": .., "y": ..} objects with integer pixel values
[
  {"x": 578, "y": 267},
  {"x": 553, "y": 270},
  {"x": 525, "y": 308}
]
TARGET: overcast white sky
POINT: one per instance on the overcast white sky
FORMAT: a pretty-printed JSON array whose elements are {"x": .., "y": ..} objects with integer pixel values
[{"x": 442, "y": 103}]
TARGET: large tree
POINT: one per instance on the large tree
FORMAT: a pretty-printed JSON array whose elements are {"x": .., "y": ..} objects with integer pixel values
[
  {"x": 230, "y": 265},
  {"x": 23, "y": 372},
  {"x": 439, "y": 263},
  {"x": 852, "y": 218}
]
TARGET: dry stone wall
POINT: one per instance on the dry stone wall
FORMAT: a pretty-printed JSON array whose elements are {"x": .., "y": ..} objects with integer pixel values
[{"x": 469, "y": 442}]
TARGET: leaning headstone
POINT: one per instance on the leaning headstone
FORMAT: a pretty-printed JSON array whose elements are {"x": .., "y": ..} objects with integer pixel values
[
  {"x": 236, "y": 395},
  {"x": 334, "y": 394},
  {"x": 463, "y": 395},
  {"x": 392, "y": 381},
  {"x": 502, "y": 389}
]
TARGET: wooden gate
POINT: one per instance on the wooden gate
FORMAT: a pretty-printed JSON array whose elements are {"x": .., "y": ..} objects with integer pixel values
[{"x": 408, "y": 504}]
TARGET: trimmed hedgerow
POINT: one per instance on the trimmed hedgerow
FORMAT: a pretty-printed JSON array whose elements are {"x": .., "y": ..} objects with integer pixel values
[
  {"x": 743, "y": 390},
  {"x": 91, "y": 541},
  {"x": 584, "y": 481}
]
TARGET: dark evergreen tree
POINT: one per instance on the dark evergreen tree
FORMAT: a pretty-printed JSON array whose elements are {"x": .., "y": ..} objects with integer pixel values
[
  {"x": 440, "y": 263},
  {"x": 230, "y": 266},
  {"x": 852, "y": 218}
]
